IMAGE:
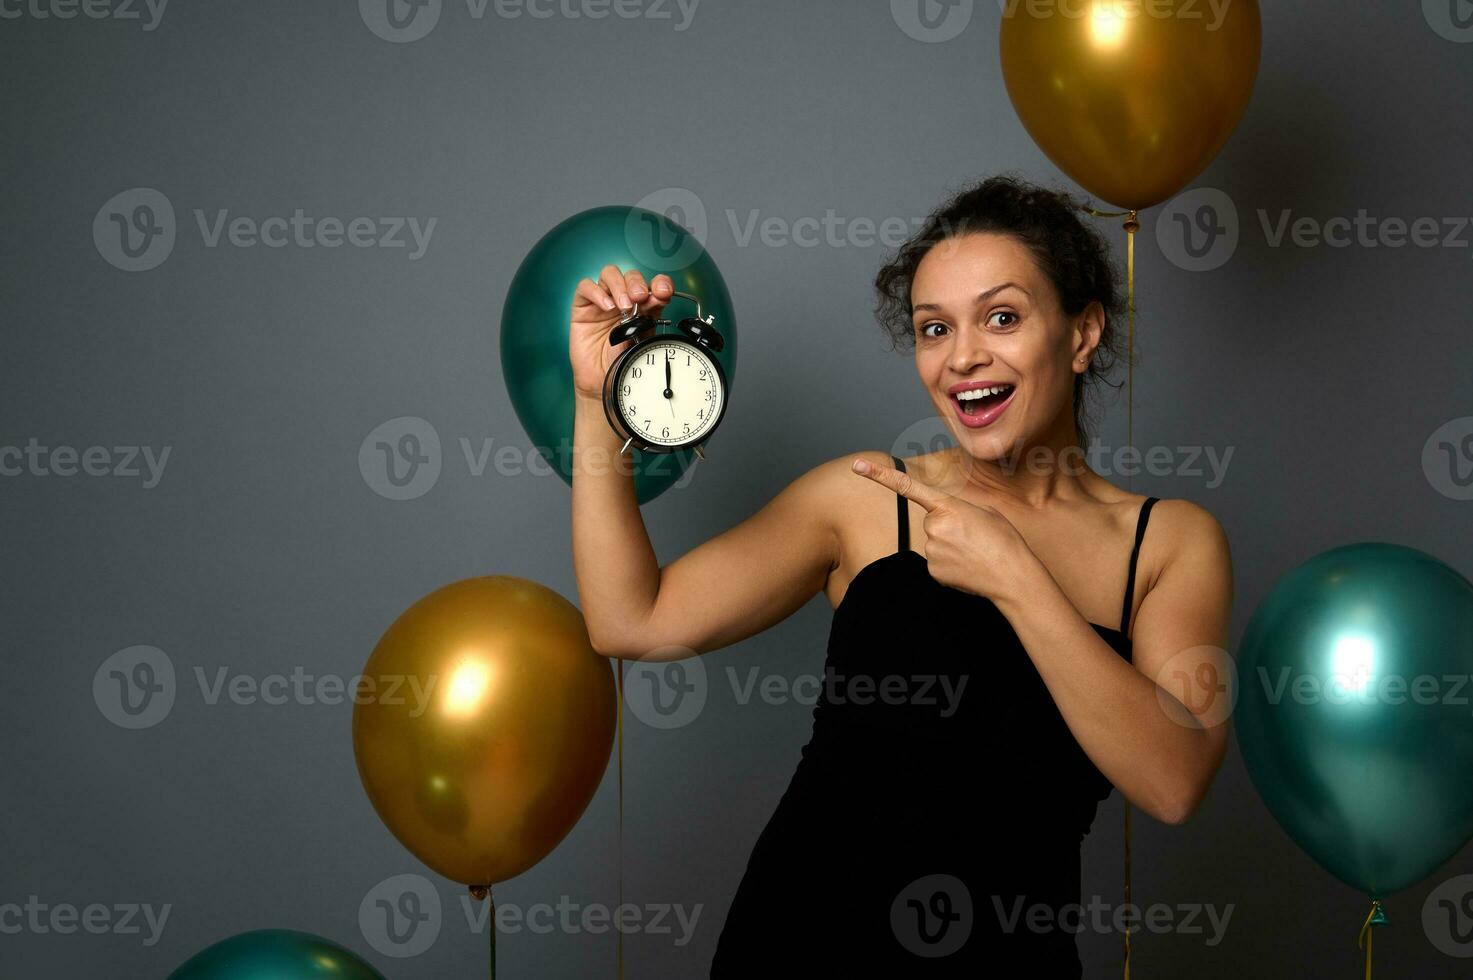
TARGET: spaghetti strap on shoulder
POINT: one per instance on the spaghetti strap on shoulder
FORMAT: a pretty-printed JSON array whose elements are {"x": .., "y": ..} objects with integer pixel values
[
  {"x": 1135, "y": 553},
  {"x": 903, "y": 525}
]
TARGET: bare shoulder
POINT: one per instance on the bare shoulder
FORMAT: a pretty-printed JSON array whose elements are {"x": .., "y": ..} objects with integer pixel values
[
  {"x": 1183, "y": 531},
  {"x": 851, "y": 502},
  {"x": 838, "y": 475},
  {"x": 848, "y": 486},
  {"x": 1184, "y": 522},
  {"x": 826, "y": 495}
]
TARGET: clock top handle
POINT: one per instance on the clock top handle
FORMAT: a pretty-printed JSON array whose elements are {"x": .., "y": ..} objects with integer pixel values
[{"x": 699, "y": 328}]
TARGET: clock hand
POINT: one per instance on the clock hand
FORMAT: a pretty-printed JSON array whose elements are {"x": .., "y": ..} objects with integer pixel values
[{"x": 668, "y": 392}]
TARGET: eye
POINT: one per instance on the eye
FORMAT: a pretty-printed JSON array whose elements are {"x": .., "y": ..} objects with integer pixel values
[
  {"x": 1006, "y": 313},
  {"x": 928, "y": 326}
]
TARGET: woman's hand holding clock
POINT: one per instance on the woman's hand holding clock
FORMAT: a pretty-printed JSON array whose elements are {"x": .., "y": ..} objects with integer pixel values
[{"x": 597, "y": 308}]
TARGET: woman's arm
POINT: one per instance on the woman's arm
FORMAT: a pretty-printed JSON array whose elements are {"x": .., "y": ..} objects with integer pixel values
[
  {"x": 1130, "y": 720},
  {"x": 733, "y": 586}
]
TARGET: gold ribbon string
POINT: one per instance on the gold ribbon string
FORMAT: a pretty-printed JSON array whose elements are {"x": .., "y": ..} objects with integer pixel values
[
  {"x": 482, "y": 893},
  {"x": 1132, "y": 225},
  {"x": 619, "y": 845},
  {"x": 1376, "y": 917}
]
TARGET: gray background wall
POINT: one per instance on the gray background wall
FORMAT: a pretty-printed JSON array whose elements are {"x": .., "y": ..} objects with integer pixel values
[{"x": 264, "y": 549}]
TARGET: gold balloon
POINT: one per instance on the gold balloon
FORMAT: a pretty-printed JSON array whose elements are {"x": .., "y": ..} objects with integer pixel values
[
  {"x": 483, "y": 726},
  {"x": 1131, "y": 98}
]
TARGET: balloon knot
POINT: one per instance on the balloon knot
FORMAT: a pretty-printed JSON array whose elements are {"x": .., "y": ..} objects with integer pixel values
[{"x": 479, "y": 892}]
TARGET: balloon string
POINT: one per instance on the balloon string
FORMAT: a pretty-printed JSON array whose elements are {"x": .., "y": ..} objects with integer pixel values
[
  {"x": 491, "y": 929},
  {"x": 619, "y": 844},
  {"x": 1376, "y": 917},
  {"x": 1132, "y": 225},
  {"x": 1127, "y": 887},
  {"x": 1130, "y": 229}
]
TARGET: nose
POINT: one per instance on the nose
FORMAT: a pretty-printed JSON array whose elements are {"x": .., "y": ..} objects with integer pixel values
[{"x": 969, "y": 350}]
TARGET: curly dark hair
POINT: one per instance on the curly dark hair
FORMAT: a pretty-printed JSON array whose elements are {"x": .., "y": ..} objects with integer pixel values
[{"x": 1073, "y": 256}]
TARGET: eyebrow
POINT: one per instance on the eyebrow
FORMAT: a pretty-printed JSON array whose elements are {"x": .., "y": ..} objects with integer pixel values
[{"x": 982, "y": 297}]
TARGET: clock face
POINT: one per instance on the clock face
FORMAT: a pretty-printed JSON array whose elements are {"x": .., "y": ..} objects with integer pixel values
[{"x": 695, "y": 393}]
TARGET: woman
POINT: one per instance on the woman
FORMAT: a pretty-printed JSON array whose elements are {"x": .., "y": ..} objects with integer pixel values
[{"x": 979, "y": 698}]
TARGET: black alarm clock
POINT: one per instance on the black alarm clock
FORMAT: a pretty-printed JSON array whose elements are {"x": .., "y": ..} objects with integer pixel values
[{"x": 666, "y": 392}]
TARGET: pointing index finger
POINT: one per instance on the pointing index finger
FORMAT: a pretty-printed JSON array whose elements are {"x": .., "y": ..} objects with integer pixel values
[{"x": 902, "y": 483}]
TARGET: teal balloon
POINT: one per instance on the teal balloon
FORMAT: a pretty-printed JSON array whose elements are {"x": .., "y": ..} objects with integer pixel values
[
  {"x": 1354, "y": 715},
  {"x": 276, "y": 954},
  {"x": 534, "y": 323}
]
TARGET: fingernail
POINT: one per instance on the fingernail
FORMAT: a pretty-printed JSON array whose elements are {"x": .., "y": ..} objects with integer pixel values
[
  {"x": 861, "y": 466},
  {"x": 608, "y": 304}
]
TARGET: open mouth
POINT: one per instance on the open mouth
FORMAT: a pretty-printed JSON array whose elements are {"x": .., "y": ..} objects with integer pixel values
[{"x": 978, "y": 402}]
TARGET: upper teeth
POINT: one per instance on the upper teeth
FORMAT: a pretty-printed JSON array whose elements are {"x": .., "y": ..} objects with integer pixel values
[{"x": 973, "y": 393}]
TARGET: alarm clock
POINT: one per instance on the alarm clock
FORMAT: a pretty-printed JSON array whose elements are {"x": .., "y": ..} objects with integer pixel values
[{"x": 667, "y": 392}]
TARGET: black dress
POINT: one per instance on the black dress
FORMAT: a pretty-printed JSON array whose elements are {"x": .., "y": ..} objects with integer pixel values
[{"x": 938, "y": 808}]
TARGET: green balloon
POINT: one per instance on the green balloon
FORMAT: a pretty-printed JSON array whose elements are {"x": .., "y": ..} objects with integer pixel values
[
  {"x": 275, "y": 954},
  {"x": 534, "y": 323},
  {"x": 1353, "y": 714}
]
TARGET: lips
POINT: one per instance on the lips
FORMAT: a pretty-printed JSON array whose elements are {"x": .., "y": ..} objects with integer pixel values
[{"x": 984, "y": 411}]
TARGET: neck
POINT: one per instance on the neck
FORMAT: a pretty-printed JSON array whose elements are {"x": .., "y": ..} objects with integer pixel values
[{"x": 1031, "y": 474}]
